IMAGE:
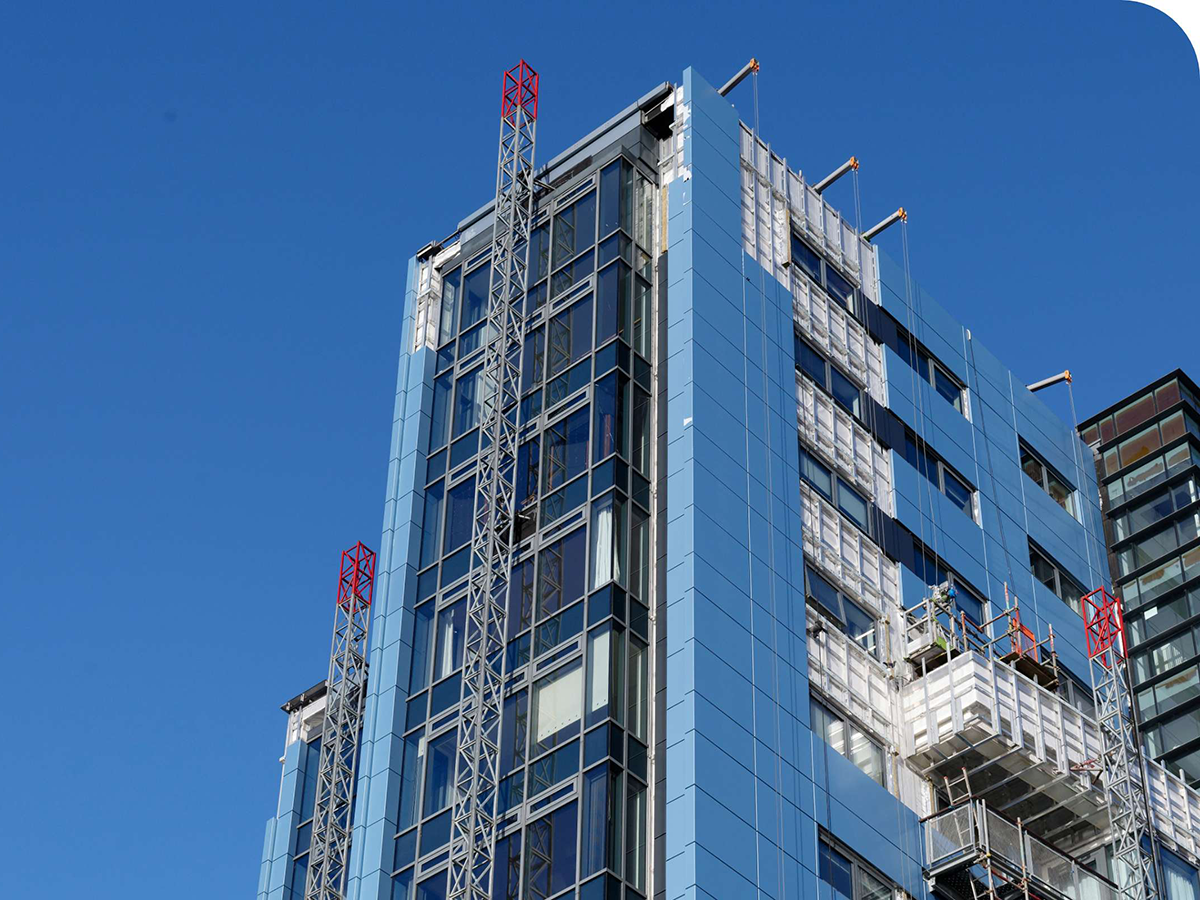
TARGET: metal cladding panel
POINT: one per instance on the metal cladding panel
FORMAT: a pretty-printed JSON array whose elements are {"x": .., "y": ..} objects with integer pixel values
[
  {"x": 724, "y": 308},
  {"x": 391, "y": 622}
]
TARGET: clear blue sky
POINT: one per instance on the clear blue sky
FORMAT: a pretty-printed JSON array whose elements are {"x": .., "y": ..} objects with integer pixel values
[{"x": 204, "y": 225}]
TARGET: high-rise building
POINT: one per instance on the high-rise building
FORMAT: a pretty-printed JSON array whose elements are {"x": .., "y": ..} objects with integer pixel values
[
  {"x": 1148, "y": 448},
  {"x": 780, "y": 591}
]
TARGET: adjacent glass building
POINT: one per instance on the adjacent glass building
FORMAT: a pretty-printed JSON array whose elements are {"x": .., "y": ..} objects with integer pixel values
[
  {"x": 1148, "y": 448},
  {"x": 751, "y": 449}
]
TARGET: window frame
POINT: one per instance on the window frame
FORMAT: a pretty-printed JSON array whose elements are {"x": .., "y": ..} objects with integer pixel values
[
  {"x": 927, "y": 367},
  {"x": 858, "y": 866},
  {"x": 837, "y": 486},
  {"x": 838, "y": 617},
  {"x": 1047, "y": 472},
  {"x": 852, "y": 302},
  {"x": 826, "y": 381},
  {"x": 921, "y": 458},
  {"x": 850, "y": 728},
  {"x": 1061, "y": 576}
]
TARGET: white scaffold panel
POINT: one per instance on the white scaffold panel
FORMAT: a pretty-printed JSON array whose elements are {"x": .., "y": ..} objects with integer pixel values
[
  {"x": 844, "y": 443},
  {"x": 974, "y": 698},
  {"x": 844, "y": 671},
  {"x": 1176, "y": 810},
  {"x": 847, "y": 556},
  {"x": 828, "y": 325},
  {"x": 805, "y": 209}
]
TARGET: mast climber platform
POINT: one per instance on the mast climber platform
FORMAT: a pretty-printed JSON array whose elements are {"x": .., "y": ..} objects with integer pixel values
[
  {"x": 329, "y": 856},
  {"x": 973, "y": 852},
  {"x": 473, "y": 827}
]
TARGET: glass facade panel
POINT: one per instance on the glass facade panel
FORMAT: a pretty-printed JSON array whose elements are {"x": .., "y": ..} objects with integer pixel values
[
  {"x": 550, "y": 853},
  {"x": 574, "y": 230},
  {"x": 561, "y": 573},
  {"x": 439, "y": 772}
]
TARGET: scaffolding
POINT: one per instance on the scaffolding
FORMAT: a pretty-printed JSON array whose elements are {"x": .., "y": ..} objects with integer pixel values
[
  {"x": 1121, "y": 758},
  {"x": 937, "y": 630},
  {"x": 972, "y": 853},
  {"x": 346, "y": 693},
  {"x": 473, "y": 829}
]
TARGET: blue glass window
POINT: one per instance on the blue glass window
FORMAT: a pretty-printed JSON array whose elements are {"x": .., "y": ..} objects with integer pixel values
[
  {"x": 450, "y": 293},
  {"x": 570, "y": 336},
  {"x": 443, "y": 387},
  {"x": 539, "y": 253},
  {"x": 561, "y": 573},
  {"x": 574, "y": 230},
  {"x": 460, "y": 514},
  {"x": 467, "y": 399},
  {"x": 853, "y": 505},
  {"x": 520, "y": 597},
  {"x": 612, "y": 416},
  {"x": 565, "y": 449},
  {"x": 612, "y": 301},
  {"x": 422, "y": 633},
  {"x": 807, "y": 259},
  {"x": 451, "y": 629},
  {"x": 439, "y": 772},
  {"x": 551, "y": 867},
  {"x": 844, "y": 391},
  {"x": 475, "y": 295},
  {"x": 434, "y": 887},
  {"x": 431, "y": 523},
  {"x": 837, "y": 872}
]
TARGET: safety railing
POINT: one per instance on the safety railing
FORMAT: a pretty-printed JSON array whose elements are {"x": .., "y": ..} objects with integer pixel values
[{"x": 970, "y": 834}]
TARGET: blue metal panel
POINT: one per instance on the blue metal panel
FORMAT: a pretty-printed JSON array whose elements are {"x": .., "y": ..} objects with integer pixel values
[{"x": 379, "y": 781}]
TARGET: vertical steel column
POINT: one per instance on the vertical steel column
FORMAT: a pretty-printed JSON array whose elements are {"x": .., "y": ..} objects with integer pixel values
[
  {"x": 347, "y": 689},
  {"x": 473, "y": 830},
  {"x": 1124, "y": 773}
]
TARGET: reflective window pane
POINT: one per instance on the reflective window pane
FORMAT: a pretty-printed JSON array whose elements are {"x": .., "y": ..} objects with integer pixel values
[
  {"x": 475, "y": 295},
  {"x": 439, "y": 772},
  {"x": 557, "y": 707},
  {"x": 451, "y": 624},
  {"x": 574, "y": 229},
  {"x": 550, "y": 853},
  {"x": 958, "y": 493},
  {"x": 561, "y": 573},
  {"x": 1134, "y": 414},
  {"x": 947, "y": 387},
  {"x": 844, "y": 391},
  {"x": 854, "y": 506}
]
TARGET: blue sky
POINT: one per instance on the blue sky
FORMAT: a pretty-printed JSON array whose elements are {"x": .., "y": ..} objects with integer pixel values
[{"x": 205, "y": 224}]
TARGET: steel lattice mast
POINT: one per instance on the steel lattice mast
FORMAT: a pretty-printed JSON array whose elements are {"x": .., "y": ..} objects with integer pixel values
[
  {"x": 473, "y": 834},
  {"x": 1124, "y": 773},
  {"x": 347, "y": 689}
]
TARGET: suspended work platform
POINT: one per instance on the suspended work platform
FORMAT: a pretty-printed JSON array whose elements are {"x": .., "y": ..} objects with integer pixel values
[{"x": 973, "y": 853}]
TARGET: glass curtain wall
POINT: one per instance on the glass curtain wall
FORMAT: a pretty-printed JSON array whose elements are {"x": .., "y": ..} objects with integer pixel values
[{"x": 575, "y": 725}]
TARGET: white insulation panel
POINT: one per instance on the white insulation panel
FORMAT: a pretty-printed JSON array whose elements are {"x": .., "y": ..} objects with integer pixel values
[
  {"x": 845, "y": 554},
  {"x": 775, "y": 199},
  {"x": 845, "y": 672},
  {"x": 845, "y": 443},
  {"x": 831, "y": 328}
]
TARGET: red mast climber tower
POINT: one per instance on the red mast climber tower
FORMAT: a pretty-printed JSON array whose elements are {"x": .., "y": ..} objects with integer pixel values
[
  {"x": 473, "y": 831},
  {"x": 347, "y": 690},
  {"x": 1124, "y": 773}
]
